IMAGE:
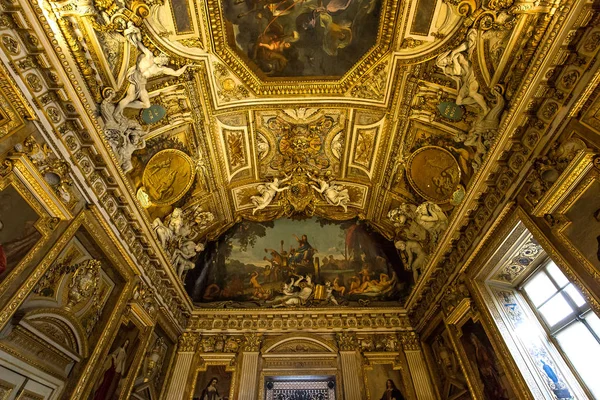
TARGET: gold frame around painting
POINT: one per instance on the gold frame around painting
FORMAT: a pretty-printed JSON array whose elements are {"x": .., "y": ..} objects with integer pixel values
[
  {"x": 580, "y": 175},
  {"x": 131, "y": 315},
  {"x": 204, "y": 360},
  {"x": 20, "y": 173},
  {"x": 463, "y": 313},
  {"x": 92, "y": 222},
  {"x": 389, "y": 358}
]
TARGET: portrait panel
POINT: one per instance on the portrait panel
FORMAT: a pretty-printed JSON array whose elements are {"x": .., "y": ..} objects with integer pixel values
[
  {"x": 18, "y": 231},
  {"x": 287, "y": 262},
  {"x": 213, "y": 384},
  {"x": 487, "y": 373},
  {"x": 384, "y": 382},
  {"x": 116, "y": 366}
]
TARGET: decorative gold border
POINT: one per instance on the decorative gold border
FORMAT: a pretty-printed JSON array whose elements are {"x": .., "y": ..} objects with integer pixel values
[
  {"x": 579, "y": 166},
  {"x": 255, "y": 80},
  {"x": 91, "y": 221},
  {"x": 21, "y": 177}
]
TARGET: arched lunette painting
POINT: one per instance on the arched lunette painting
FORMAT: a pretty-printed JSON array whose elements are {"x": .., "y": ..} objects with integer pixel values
[{"x": 308, "y": 262}]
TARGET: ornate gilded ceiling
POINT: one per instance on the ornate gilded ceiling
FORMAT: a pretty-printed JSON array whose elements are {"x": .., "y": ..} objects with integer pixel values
[{"x": 211, "y": 120}]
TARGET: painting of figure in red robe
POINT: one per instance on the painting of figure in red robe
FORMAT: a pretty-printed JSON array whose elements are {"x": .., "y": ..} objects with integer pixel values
[
  {"x": 18, "y": 234},
  {"x": 116, "y": 366},
  {"x": 484, "y": 362}
]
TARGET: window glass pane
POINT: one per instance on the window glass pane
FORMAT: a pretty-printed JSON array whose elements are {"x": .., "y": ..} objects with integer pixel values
[
  {"x": 594, "y": 322},
  {"x": 555, "y": 310},
  {"x": 539, "y": 289},
  {"x": 557, "y": 274},
  {"x": 575, "y": 295},
  {"x": 584, "y": 352}
]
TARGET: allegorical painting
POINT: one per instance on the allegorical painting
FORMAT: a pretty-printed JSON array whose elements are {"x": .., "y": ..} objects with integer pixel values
[
  {"x": 293, "y": 38},
  {"x": 306, "y": 262},
  {"x": 117, "y": 364},
  {"x": 213, "y": 384},
  {"x": 483, "y": 361},
  {"x": 383, "y": 382},
  {"x": 18, "y": 234}
]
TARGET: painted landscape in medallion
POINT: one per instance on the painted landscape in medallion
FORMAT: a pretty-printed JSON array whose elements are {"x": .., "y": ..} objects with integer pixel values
[
  {"x": 287, "y": 263},
  {"x": 292, "y": 38}
]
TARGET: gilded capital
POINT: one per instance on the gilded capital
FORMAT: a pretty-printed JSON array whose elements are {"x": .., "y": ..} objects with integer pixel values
[
  {"x": 410, "y": 341},
  {"x": 347, "y": 341},
  {"x": 252, "y": 342},
  {"x": 187, "y": 342}
]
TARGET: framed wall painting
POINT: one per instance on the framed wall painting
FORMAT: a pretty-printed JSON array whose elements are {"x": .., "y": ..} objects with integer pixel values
[
  {"x": 215, "y": 382},
  {"x": 28, "y": 216}
]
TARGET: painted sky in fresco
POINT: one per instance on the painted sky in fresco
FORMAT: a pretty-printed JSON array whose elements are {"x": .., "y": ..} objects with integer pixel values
[{"x": 328, "y": 240}]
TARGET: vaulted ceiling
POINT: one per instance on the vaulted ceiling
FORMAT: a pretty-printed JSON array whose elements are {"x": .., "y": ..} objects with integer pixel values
[{"x": 390, "y": 112}]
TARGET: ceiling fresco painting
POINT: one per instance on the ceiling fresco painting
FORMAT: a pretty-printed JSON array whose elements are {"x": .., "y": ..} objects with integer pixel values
[
  {"x": 309, "y": 262},
  {"x": 294, "y": 38}
]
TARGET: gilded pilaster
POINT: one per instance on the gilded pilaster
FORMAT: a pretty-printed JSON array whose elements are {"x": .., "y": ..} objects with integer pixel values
[
  {"x": 183, "y": 363},
  {"x": 417, "y": 366},
  {"x": 350, "y": 365}
]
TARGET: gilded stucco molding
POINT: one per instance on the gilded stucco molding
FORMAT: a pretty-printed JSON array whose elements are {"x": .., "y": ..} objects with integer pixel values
[{"x": 506, "y": 175}]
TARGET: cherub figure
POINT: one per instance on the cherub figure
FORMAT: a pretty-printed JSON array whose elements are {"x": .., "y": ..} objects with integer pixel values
[
  {"x": 267, "y": 191},
  {"x": 336, "y": 195}
]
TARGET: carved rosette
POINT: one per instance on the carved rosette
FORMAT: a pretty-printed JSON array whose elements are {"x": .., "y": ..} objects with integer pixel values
[
  {"x": 347, "y": 341},
  {"x": 187, "y": 342}
]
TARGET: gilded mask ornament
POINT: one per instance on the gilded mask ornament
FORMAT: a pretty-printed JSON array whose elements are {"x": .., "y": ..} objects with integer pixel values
[
  {"x": 84, "y": 283},
  {"x": 300, "y": 144}
]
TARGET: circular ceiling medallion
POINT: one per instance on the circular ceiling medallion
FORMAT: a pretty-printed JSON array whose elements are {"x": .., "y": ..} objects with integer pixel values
[
  {"x": 434, "y": 173},
  {"x": 168, "y": 176}
]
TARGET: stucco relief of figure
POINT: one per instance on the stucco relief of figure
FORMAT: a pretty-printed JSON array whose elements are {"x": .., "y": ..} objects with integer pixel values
[
  {"x": 153, "y": 360},
  {"x": 267, "y": 193},
  {"x": 147, "y": 66},
  {"x": 173, "y": 228},
  {"x": 334, "y": 194},
  {"x": 124, "y": 135},
  {"x": 456, "y": 64},
  {"x": 181, "y": 257},
  {"x": 415, "y": 257},
  {"x": 418, "y": 222},
  {"x": 483, "y": 130},
  {"x": 179, "y": 237},
  {"x": 432, "y": 218}
]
